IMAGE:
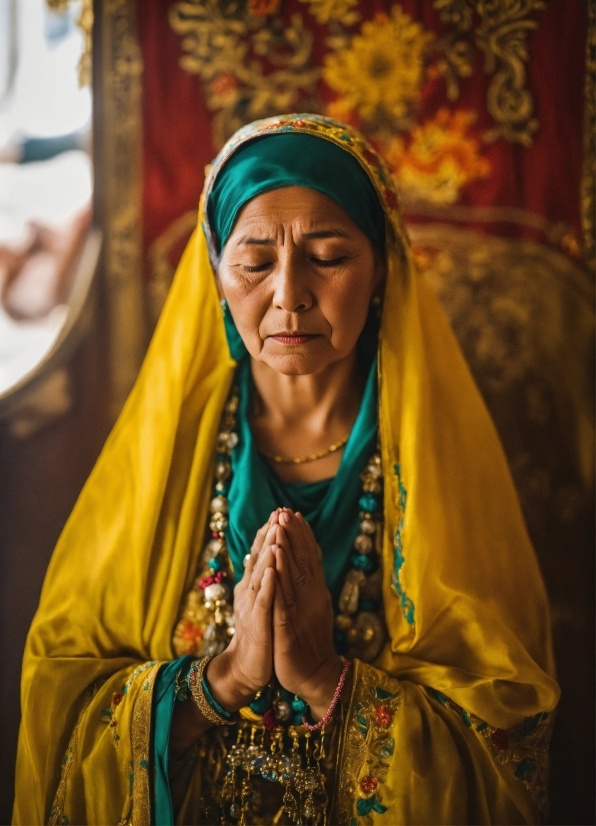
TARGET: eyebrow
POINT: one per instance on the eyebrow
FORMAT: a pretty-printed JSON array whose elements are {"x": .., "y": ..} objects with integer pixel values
[{"x": 323, "y": 233}]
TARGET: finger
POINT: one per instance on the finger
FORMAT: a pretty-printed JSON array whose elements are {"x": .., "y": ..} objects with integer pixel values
[
  {"x": 284, "y": 615},
  {"x": 265, "y": 536},
  {"x": 265, "y": 560},
  {"x": 284, "y": 579},
  {"x": 266, "y": 595},
  {"x": 297, "y": 553},
  {"x": 315, "y": 554}
]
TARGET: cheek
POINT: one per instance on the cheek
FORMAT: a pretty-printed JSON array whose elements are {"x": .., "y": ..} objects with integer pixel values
[
  {"x": 346, "y": 309},
  {"x": 247, "y": 307}
]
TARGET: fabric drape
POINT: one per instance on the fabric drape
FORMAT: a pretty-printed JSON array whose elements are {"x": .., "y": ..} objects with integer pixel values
[{"x": 463, "y": 596}]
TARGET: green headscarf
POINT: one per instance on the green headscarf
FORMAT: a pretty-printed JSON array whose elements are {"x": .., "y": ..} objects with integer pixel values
[{"x": 294, "y": 160}]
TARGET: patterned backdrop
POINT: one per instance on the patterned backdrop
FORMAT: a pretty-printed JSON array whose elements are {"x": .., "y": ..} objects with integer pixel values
[{"x": 484, "y": 111}]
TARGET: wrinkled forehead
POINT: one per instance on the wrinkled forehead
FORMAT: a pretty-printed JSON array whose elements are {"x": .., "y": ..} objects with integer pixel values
[{"x": 263, "y": 163}]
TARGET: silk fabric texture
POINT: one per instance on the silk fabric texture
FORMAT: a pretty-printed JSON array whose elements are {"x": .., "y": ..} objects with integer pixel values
[{"x": 454, "y": 545}]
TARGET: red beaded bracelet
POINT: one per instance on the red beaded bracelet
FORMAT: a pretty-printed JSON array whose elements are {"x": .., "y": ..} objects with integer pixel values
[{"x": 334, "y": 702}]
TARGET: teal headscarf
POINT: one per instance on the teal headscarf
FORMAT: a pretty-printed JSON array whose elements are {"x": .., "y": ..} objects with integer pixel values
[
  {"x": 294, "y": 160},
  {"x": 331, "y": 506}
]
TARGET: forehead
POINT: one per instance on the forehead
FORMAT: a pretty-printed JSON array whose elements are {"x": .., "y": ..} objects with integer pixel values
[{"x": 300, "y": 206}]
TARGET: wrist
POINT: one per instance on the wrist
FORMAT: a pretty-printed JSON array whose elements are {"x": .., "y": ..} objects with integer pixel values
[
  {"x": 225, "y": 688},
  {"x": 321, "y": 697}
]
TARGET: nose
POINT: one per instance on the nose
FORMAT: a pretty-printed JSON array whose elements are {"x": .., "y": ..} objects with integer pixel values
[{"x": 291, "y": 291}]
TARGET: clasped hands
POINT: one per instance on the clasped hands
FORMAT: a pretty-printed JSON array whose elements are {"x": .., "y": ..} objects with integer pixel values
[{"x": 284, "y": 621}]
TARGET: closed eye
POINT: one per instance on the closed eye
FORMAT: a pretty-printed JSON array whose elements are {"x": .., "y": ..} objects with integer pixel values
[
  {"x": 257, "y": 267},
  {"x": 330, "y": 262}
]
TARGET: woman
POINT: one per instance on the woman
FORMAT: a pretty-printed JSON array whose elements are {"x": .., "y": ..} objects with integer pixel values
[{"x": 386, "y": 656}]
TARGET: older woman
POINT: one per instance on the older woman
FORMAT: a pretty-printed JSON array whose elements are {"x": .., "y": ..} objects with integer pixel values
[{"x": 385, "y": 654}]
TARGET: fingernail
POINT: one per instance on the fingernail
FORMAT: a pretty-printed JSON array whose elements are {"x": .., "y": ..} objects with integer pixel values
[{"x": 284, "y": 518}]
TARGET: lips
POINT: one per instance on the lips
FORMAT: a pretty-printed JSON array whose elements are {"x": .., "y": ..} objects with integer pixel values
[{"x": 293, "y": 339}]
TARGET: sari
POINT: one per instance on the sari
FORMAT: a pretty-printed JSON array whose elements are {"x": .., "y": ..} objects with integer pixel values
[{"x": 450, "y": 721}]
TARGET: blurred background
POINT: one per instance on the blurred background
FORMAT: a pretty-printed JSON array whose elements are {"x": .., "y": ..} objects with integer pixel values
[{"x": 484, "y": 110}]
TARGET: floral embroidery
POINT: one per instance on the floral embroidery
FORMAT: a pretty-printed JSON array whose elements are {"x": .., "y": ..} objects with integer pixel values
[
  {"x": 524, "y": 747},
  {"x": 109, "y": 714},
  {"x": 381, "y": 72},
  {"x": 407, "y": 605},
  {"x": 360, "y": 792}
]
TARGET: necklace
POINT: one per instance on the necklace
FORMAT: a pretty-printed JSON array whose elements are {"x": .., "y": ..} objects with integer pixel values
[
  {"x": 310, "y": 457},
  {"x": 269, "y": 731}
]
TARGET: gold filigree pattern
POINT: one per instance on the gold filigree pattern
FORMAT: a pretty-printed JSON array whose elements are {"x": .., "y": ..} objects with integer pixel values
[
  {"x": 455, "y": 50},
  {"x": 502, "y": 34},
  {"x": 118, "y": 210},
  {"x": 588, "y": 181},
  {"x": 252, "y": 65},
  {"x": 141, "y": 732},
  {"x": 57, "y": 811},
  {"x": 344, "y": 11},
  {"x": 375, "y": 699}
]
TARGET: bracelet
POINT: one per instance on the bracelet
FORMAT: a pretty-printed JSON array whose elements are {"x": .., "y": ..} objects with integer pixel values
[
  {"x": 197, "y": 682},
  {"x": 342, "y": 681}
]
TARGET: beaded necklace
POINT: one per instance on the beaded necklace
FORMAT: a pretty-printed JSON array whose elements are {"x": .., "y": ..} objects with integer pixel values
[{"x": 269, "y": 735}]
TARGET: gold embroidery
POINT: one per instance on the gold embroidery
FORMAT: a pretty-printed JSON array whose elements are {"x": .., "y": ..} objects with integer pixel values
[
  {"x": 502, "y": 35},
  {"x": 524, "y": 747},
  {"x": 375, "y": 699},
  {"x": 57, "y": 810},
  {"x": 227, "y": 47},
  {"x": 345, "y": 11},
  {"x": 588, "y": 181},
  {"x": 140, "y": 735},
  {"x": 455, "y": 50},
  {"x": 380, "y": 74},
  {"x": 119, "y": 146}
]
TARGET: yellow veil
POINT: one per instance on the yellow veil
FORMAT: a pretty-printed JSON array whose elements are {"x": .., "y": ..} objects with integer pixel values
[{"x": 456, "y": 556}]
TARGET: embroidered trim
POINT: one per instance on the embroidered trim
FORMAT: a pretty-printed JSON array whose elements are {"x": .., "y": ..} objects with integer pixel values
[
  {"x": 407, "y": 606},
  {"x": 109, "y": 714},
  {"x": 375, "y": 699},
  {"x": 57, "y": 816},
  {"x": 140, "y": 736},
  {"x": 524, "y": 746}
]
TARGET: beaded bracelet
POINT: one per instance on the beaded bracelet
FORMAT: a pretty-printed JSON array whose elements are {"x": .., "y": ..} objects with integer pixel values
[
  {"x": 342, "y": 681},
  {"x": 202, "y": 696}
]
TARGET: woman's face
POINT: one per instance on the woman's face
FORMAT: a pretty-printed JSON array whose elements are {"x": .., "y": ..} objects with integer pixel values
[{"x": 298, "y": 275}]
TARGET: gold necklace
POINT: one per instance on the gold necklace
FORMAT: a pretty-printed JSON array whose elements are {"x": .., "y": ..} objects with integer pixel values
[{"x": 310, "y": 457}]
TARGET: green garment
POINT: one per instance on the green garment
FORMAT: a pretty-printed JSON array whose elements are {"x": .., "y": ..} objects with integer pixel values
[
  {"x": 331, "y": 508},
  {"x": 294, "y": 160}
]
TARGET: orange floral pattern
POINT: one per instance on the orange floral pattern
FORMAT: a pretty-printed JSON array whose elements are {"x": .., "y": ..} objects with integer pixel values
[{"x": 440, "y": 158}]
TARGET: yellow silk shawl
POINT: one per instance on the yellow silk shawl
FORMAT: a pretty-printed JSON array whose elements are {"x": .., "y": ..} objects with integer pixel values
[{"x": 455, "y": 548}]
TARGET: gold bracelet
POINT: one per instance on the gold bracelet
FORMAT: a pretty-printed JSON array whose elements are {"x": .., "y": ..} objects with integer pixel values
[{"x": 195, "y": 681}]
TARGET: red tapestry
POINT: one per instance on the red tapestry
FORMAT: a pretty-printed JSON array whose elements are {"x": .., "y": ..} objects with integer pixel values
[{"x": 473, "y": 105}]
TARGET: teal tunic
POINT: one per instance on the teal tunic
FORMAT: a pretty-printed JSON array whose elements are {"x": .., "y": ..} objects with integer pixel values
[{"x": 330, "y": 507}]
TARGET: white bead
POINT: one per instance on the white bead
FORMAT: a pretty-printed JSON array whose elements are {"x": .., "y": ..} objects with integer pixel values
[
  {"x": 219, "y": 504},
  {"x": 216, "y": 591}
]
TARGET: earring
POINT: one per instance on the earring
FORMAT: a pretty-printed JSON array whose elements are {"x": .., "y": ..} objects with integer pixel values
[{"x": 375, "y": 304}]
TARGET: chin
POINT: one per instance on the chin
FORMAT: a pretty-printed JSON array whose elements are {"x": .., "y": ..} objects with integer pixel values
[{"x": 293, "y": 364}]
